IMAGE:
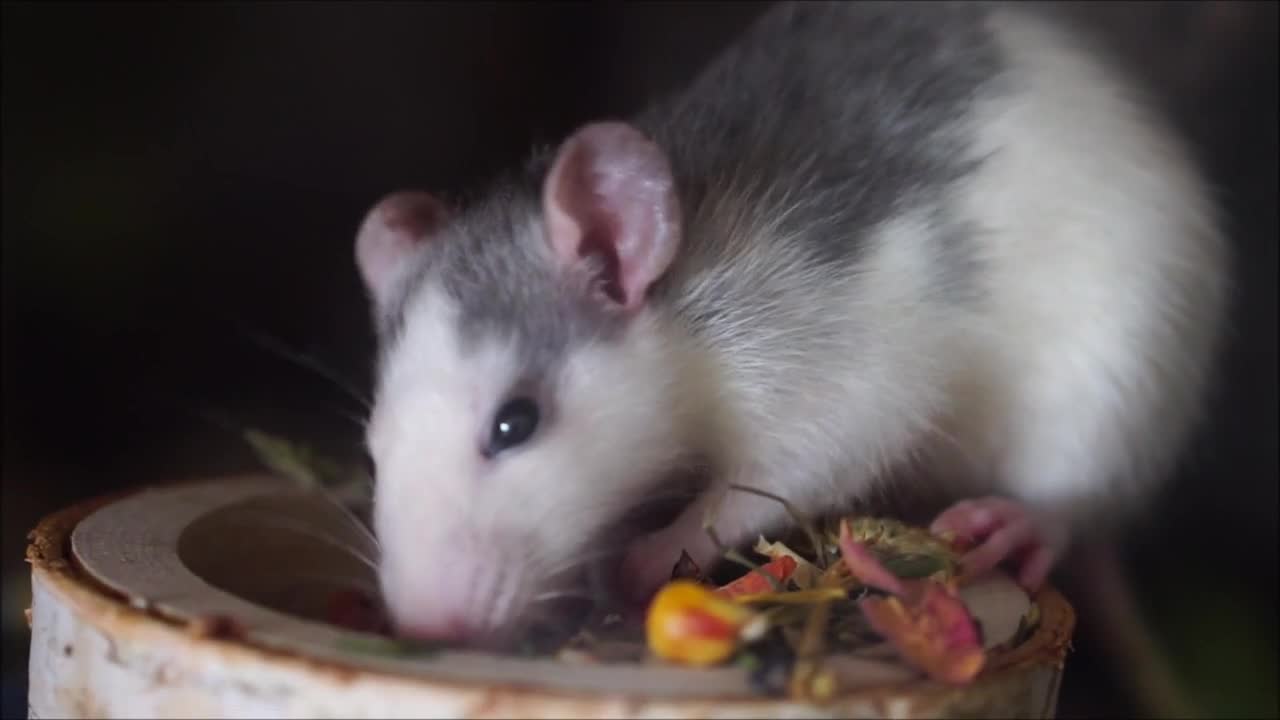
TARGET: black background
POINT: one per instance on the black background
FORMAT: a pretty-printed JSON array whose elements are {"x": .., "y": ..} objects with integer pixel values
[{"x": 179, "y": 177}]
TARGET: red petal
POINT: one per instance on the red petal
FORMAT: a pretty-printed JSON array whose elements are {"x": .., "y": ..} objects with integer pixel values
[
  {"x": 959, "y": 632},
  {"x": 751, "y": 583},
  {"x": 933, "y": 632}
]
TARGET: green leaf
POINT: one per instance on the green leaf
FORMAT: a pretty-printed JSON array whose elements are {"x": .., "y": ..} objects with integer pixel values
[
  {"x": 388, "y": 647},
  {"x": 911, "y": 567},
  {"x": 295, "y": 462}
]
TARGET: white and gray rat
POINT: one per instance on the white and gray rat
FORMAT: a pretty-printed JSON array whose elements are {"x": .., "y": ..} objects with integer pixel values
[{"x": 941, "y": 244}]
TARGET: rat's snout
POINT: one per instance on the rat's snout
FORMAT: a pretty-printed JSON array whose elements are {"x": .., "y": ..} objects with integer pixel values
[
  {"x": 453, "y": 628},
  {"x": 466, "y": 598}
]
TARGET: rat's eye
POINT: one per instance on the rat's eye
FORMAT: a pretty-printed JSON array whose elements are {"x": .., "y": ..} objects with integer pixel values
[{"x": 515, "y": 422}]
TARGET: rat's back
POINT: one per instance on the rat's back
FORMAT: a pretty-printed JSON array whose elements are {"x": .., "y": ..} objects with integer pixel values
[
  {"x": 827, "y": 119},
  {"x": 960, "y": 220}
]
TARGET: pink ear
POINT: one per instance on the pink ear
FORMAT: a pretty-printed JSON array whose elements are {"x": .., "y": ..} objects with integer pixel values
[
  {"x": 610, "y": 193},
  {"x": 390, "y": 233}
]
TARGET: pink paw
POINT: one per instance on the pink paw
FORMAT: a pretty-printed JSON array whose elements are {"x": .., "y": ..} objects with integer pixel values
[
  {"x": 1004, "y": 529},
  {"x": 649, "y": 561}
]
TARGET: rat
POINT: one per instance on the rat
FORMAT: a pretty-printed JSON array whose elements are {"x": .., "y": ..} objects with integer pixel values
[{"x": 955, "y": 247}]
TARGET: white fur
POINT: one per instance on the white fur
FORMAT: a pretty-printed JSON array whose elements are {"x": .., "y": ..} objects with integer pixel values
[
  {"x": 503, "y": 527},
  {"x": 860, "y": 355},
  {"x": 1071, "y": 384},
  {"x": 425, "y": 422},
  {"x": 1107, "y": 276}
]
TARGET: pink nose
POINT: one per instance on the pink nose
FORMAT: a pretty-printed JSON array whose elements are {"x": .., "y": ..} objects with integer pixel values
[
  {"x": 445, "y": 628},
  {"x": 468, "y": 609}
]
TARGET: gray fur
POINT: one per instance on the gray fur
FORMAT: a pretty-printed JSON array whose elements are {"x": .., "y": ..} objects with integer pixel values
[
  {"x": 825, "y": 121},
  {"x": 495, "y": 264},
  {"x": 837, "y": 116},
  {"x": 516, "y": 289}
]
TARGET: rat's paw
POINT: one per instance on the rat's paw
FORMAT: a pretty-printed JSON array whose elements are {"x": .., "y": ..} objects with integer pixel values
[
  {"x": 1004, "y": 529},
  {"x": 650, "y": 560},
  {"x": 645, "y": 567}
]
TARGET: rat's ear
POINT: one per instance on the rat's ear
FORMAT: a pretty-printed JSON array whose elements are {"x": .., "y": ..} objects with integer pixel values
[
  {"x": 391, "y": 233},
  {"x": 610, "y": 194}
]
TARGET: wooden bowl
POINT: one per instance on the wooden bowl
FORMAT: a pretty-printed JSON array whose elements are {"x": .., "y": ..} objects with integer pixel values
[{"x": 200, "y": 600}]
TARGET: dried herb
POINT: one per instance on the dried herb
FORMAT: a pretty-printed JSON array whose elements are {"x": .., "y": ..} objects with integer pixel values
[
  {"x": 864, "y": 565},
  {"x": 294, "y": 462},
  {"x": 924, "y": 619},
  {"x": 891, "y": 588},
  {"x": 892, "y": 582},
  {"x": 805, "y": 575},
  {"x": 779, "y": 569},
  {"x": 302, "y": 465},
  {"x": 388, "y": 647}
]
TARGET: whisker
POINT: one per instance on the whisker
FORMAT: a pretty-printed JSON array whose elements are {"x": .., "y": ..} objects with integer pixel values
[
  {"x": 551, "y": 595},
  {"x": 364, "y": 585},
  {"x": 359, "y": 421},
  {"x": 350, "y": 515},
  {"x": 576, "y": 562},
  {"x": 305, "y": 361},
  {"x": 277, "y": 523},
  {"x": 363, "y": 481},
  {"x": 542, "y": 619}
]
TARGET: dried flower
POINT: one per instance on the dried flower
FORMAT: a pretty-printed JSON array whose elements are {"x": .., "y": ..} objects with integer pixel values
[
  {"x": 932, "y": 630},
  {"x": 752, "y": 583},
  {"x": 805, "y": 575},
  {"x": 864, "y": 565},
  {"x": 692, "y": 624}
]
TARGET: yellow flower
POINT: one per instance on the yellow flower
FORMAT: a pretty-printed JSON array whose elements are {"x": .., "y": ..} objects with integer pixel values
[{"x": 690, "y": 624}]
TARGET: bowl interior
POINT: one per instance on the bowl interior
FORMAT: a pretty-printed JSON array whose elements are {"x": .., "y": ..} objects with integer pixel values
[{"x": 290, "y": 552}]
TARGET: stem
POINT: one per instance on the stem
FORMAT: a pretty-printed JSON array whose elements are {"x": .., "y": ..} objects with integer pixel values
[
  {"x": 796, "y": 516},
  {"x": 737, "y": 557}
]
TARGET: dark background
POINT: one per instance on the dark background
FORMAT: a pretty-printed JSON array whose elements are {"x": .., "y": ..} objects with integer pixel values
[{"x": 179, "y": 177}]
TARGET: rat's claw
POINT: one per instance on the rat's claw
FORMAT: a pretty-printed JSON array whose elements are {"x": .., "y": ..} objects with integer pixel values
[
  {"x": 1004, "y": 529},
  {"x": 1002, "y": 544},
  {"x": 1036, "y": 567}
]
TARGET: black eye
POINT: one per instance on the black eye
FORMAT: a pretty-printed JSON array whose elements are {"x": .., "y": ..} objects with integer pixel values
[{"x": 515, "y": 422}]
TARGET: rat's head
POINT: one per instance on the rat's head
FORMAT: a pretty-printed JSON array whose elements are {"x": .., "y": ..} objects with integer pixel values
[{"x": 528, "y": 395}]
